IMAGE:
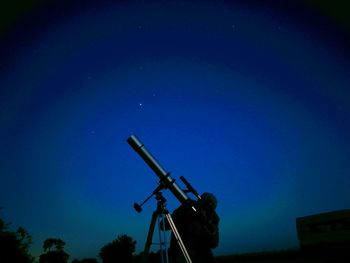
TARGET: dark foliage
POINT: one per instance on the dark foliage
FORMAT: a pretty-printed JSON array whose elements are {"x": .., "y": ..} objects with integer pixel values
[
  {"x": 14, "y": 245},
  {"x": 152, "y": 257},
  {"x": 56, "y": 242},
  {"x": 58, "y": 255},
  {"x": 119, "y": 250},
  {"x": 85, "y": 260}
]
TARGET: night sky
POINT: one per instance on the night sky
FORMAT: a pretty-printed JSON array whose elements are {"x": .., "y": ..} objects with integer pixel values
[{"x": 249, "y": 101}]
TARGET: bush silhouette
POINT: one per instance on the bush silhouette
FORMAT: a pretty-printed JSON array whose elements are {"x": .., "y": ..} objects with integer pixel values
[
  {"x": 58, "y": 255},
  {"x": 14, "y": 245},
  {"x": 119, "y": 250},
  {"x": 85, "y": 260}
]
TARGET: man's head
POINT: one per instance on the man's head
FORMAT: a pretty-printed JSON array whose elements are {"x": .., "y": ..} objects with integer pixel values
[{"x": 208, "y": 201}]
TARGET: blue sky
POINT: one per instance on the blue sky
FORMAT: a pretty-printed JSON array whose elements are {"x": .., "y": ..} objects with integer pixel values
[{"x": 247, "y": 101}]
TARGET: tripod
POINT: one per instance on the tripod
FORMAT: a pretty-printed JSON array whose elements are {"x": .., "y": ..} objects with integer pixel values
[{"x": 159, "y": 215}]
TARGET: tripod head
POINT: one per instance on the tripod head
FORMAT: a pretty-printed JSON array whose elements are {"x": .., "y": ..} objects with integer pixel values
[{"x": 156, "y": 192}]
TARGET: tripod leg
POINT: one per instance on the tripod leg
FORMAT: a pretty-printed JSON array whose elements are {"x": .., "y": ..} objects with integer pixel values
[
  {"x": 162, "y": 239},
  {"x": 178, "y": 238},
  {"x": 150, "y": 235}
]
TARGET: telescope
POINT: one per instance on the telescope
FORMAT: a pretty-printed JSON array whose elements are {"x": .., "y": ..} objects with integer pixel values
[
  {"x": 165, "y": 182},
  {"x": 161, "y": 213}
]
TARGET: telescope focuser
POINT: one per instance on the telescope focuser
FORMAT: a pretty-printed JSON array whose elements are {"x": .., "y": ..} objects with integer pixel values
[{"x": 190, "y": 189}]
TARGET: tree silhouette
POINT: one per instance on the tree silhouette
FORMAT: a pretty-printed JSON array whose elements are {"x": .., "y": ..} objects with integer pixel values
[
  {"x": 50, "y": 242},
  {"x": 119, "y": 250},
  {"x": 14, "y": 245},
  {"x": 85, "y": 260},
  {"x": 58, "y": 255},
  {"x": 154, "y": 257}
]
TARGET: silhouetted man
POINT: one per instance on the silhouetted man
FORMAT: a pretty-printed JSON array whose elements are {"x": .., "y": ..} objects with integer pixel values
[{"x": 198, "y": 230}]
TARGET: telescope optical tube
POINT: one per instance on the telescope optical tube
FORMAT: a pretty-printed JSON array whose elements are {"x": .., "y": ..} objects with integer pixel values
[{"x": 164, "y": 176}]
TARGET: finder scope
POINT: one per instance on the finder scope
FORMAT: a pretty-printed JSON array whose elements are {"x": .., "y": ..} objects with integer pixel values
[{"x": 165, "y": 180}]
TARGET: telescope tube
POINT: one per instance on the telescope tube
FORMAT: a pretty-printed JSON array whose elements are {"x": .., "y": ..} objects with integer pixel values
[{"x": 164, "y": 176}]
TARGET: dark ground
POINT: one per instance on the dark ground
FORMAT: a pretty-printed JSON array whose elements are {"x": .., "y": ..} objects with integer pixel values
[
  {"x": 315, "y": 255},
  {"x": 290, "y": 256}
]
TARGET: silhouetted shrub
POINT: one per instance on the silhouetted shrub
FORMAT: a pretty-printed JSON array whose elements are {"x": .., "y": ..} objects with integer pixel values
[
  {"x": 119, "y": 250},
  {"x": 58, "y": 255},
  {"x": 85, "y": 260},
  {"x": 14, "y": 245}
]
